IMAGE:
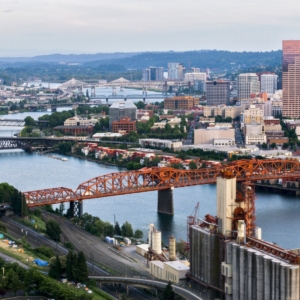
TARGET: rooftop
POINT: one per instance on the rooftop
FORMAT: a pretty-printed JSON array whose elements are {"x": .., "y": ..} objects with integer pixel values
[{"x": 123, "y": 104}]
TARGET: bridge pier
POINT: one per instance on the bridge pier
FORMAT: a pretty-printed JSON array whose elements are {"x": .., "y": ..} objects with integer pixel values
[
  {"x": 76, "y": 208},
  {"x": 165, "y": 201}
]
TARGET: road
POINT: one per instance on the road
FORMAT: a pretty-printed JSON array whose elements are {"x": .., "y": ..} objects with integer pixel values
[{"x": 183, "y": 292}]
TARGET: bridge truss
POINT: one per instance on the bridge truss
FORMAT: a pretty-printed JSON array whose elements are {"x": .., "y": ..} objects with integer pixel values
[
  {"x": 8, "y": 122},
  {"x": 151, "y": 179}
]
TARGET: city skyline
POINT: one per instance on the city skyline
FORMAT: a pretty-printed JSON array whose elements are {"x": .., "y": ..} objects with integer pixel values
[{"x": 43, "y": 27}]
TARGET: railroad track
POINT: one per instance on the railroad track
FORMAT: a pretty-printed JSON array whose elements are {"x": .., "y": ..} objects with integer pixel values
[{"x": 100, "y": 252}]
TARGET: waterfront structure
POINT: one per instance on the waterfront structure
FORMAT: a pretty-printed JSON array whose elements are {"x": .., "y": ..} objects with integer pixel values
[
  {"x": 291, "y": 78},
  {"x": 207, "y": 136},
  {"x": 268, "y": 83},
  {"x": 175, "y": 71},
  {"x": 247, "y": 84},
  {"x": 181, "y": 102},
  {"x": 121, "y": 109},
  {"x": 218, "y": 92},
  {"x": 124, "y": 125}
]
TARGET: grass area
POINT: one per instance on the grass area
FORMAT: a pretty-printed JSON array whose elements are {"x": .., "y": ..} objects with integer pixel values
[
  {"x": 39, "y": 224},
  {"x": 21, "y": 254},
  {"x": 100, "y": 295}
]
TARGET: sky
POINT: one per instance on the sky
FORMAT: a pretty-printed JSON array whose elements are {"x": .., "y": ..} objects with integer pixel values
[{"x": 38, "y": 27}]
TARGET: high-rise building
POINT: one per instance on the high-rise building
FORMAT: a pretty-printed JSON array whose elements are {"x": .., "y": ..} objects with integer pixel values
[
  {"x": 268, "y": 83},
  {"x": 194, "y": 76},
  {"x": 175, "y": 71},
  {"x": 217, "y": 92},
  {"x": 291, "y": 79},
  {"x": 247, "y": 84},
  {"x": 153, "y": 74},
  {"x": 146, "y": 75}
]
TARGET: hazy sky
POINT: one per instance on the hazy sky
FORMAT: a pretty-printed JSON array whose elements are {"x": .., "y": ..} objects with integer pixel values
[{"x": 33, "y": 27}]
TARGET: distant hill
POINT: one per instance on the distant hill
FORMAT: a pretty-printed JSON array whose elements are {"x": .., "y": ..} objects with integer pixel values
[
  {"x": 213, "y": 59},
  {"x": 70, "y": 58}
]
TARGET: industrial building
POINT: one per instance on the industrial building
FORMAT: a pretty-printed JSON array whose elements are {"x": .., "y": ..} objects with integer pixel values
[
  {"x": 121, "y": 109},
  {"x": 228, "y": 258}
]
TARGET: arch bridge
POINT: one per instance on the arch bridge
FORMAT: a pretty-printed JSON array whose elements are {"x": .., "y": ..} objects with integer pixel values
[{"x": 163, "y": 180}]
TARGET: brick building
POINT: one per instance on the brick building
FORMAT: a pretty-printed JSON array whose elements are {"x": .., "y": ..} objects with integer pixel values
[
  {"x": 124, "y": 125},
  {"x": 180, "y": 102},
  {"x": 76, "y": 130}
]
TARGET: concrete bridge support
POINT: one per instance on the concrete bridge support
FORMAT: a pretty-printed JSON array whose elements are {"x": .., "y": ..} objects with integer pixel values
[
  {"x": 165, "y": 201},
  {"x": 76, "y": 208}
]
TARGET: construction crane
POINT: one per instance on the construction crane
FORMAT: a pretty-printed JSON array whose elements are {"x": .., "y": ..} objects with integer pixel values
[{"x": 191, "y": 220}]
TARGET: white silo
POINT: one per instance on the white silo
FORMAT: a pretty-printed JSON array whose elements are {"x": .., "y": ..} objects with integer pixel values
[
  {"x": 156, "y": 241},
  {"x": 172, "y": 248}
]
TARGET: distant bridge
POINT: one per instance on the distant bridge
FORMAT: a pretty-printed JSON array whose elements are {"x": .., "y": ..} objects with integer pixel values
[
  {"x": 28, "y": 142},
  {"x": 20, "y": 123}
]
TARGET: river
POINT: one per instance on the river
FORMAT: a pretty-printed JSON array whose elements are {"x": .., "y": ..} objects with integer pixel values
[{"x": 277, "y": 215}]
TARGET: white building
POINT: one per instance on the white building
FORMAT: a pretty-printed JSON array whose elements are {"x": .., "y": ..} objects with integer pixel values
[
  {"x": 247, "y": 84},
  {"x": 207, "y": 136},
  {"x": 268, "y": 83},
  {"x": 158, "y": 143},
  {"x": 252, "y": 115},
  {"x": 175, "y": 71},
  {"x": 194, "y": 76},
  {"x": 170, "y": 271}
]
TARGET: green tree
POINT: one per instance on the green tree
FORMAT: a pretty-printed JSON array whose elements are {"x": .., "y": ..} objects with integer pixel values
[
  {"x": 168, "y": 293},
  {"x": 192, "y": 165},
  {"x": 87, "y": 94},
  {"x": 264, "y": 146},
  {"x": 117, "y": 229},
  {"x": 53, "y": 230},
  {"x": 29, "y": 121},
  {"x": 12, "y": 281},
  {"x": 71, "y": 265},
  {"x": 273, "y": 145},
  {"x": 55, "y": 268},
  {"x": 126, "y": 230},
  {"x": 82, "y": 271},
  {"x": 138, "y": 234}
]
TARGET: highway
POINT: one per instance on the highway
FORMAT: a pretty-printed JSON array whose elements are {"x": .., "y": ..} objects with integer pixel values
[{"x": 183, "y": 292}]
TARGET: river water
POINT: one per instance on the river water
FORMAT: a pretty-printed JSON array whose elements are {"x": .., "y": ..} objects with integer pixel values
[{"x": 277, "y": 215}]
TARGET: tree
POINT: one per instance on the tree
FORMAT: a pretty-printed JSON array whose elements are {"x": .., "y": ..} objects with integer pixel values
[
  {"x": 55, "y": 268},
  {"x": 82, "y": 271},
  {"x": 117, "y": 229},
  {"x": 53, "y": 230},
  {"x": 168, "y": 293},
  {"x": 264, "y": 146},
  {"x": 126, "y": 230},
  {"x": 87, "y": 94},
  {"x": 12, "y": 281},
  {"x": 71, "y": 265},
  {"x": 29, "y": 121},
  {"x": 192, "y": 165},
  {"x": 273, "y": 145},
  {"x": 138, "y": 234}
]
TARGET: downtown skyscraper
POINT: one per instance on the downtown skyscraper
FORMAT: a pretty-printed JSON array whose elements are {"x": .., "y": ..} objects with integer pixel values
[{"x": 291, "y": 78}]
